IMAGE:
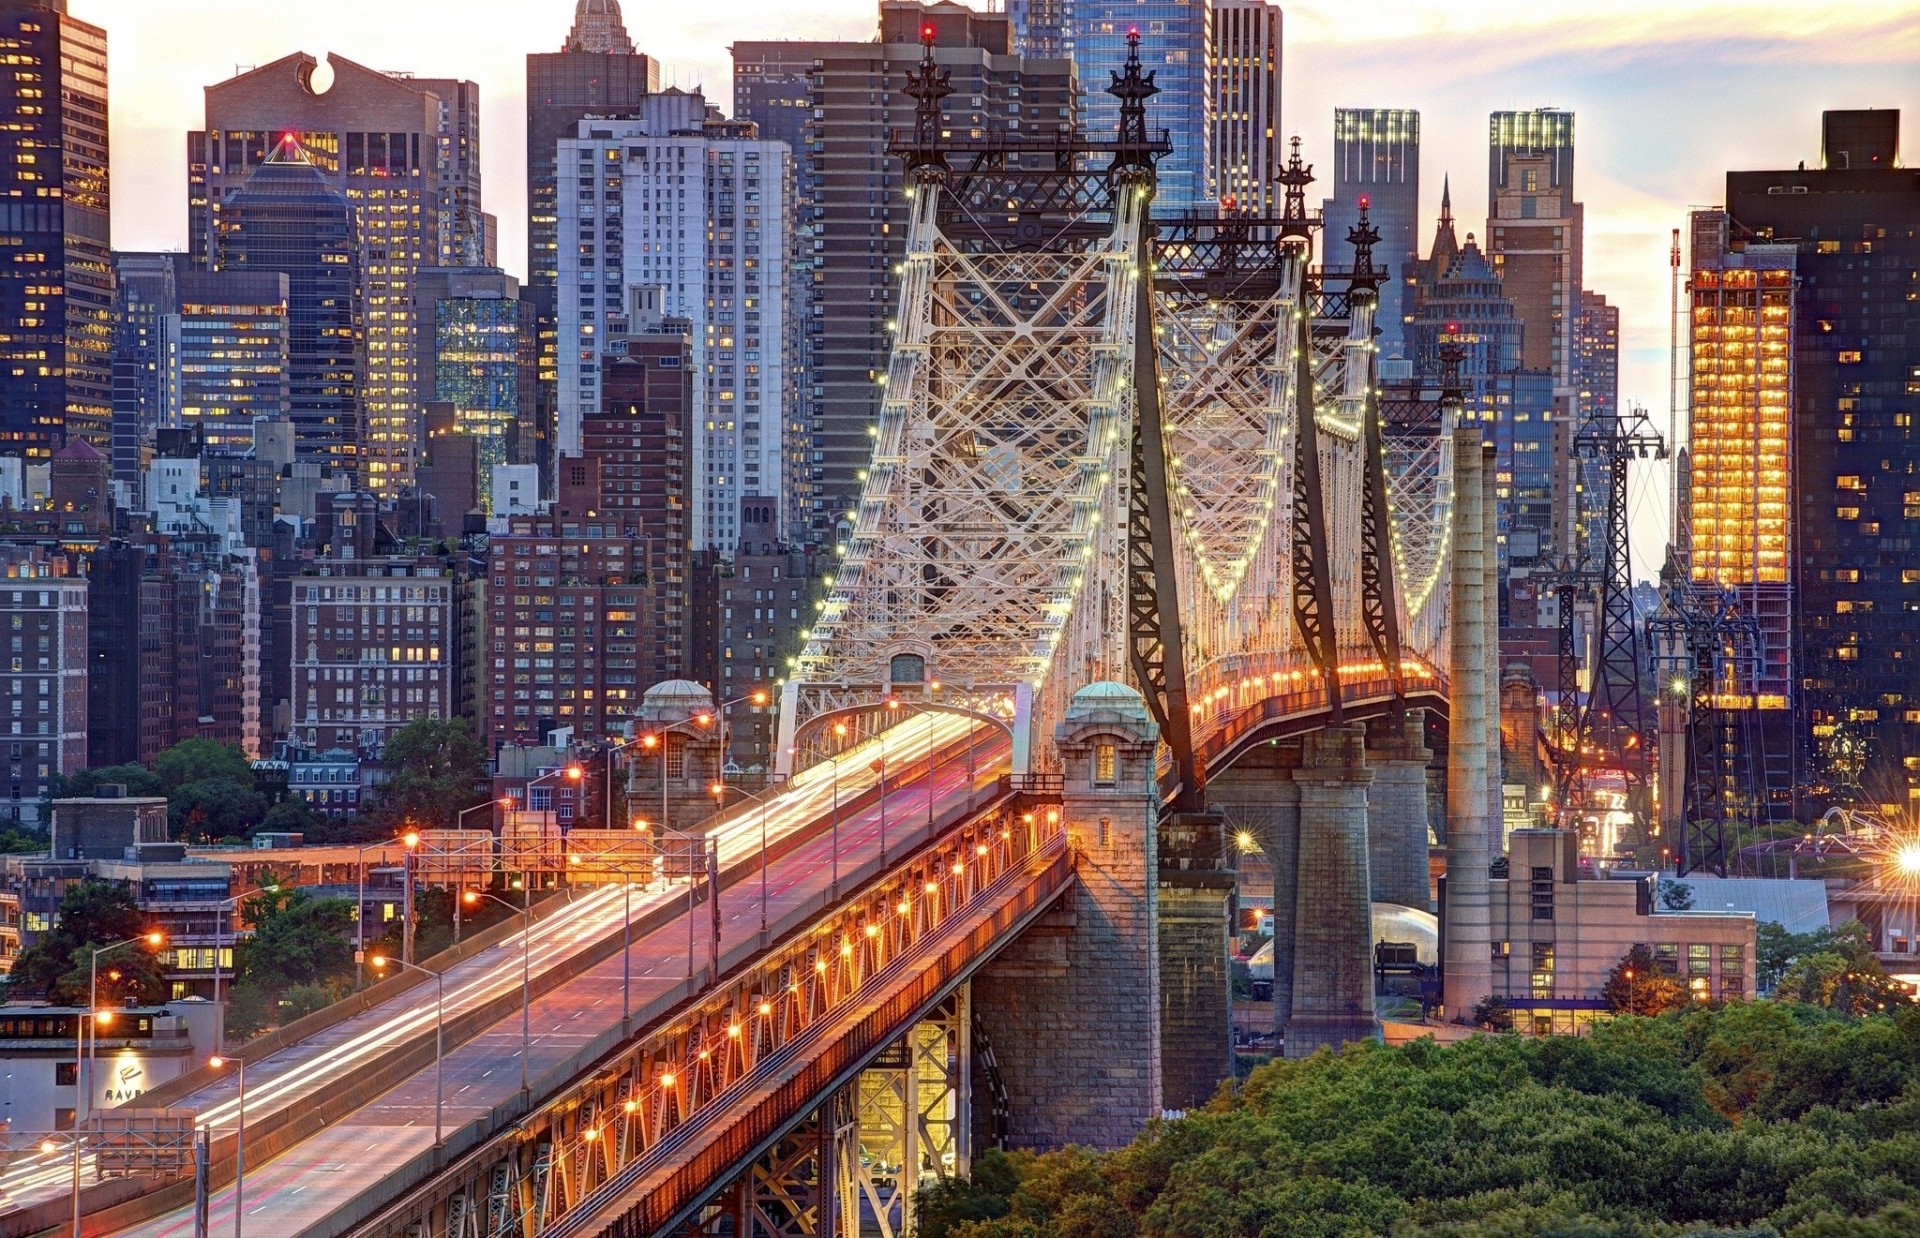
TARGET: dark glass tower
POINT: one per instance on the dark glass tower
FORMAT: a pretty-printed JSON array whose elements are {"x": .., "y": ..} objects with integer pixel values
[
  {"x": 56, "y": 263},
  {"x": 1376, "y": 155},
  {"x": 1854, "y": 225},
  {"x": 287, "y": 218},
  {"x": 147, "y": 292},
  {"x": 595, "y": 73}
]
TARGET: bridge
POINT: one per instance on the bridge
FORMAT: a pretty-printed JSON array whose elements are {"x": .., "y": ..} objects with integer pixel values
[{"x": 1143, "y": 552}]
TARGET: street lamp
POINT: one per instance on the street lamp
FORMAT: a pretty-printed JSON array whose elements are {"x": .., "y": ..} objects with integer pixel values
[
  {"x": 1633, "y": 1004},
  {"x": 411, "y": 841},
  {"x": 239, "y": 1143},
  {"x": 839, "y": 733},
  {"x": 439, "y": 1032},
  {"x": 658, "y": 739},
  {"x": 360, "y": 912},
  {"x": 461, "y": 816},
  {"x": 75, "y": 1140},
  {"x": 472, "y": 899},
  {"x": 758, "y": 697},
  {"x": 82, "y": 1059}
]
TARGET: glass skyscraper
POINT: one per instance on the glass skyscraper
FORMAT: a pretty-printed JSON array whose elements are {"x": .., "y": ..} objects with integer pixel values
[
  {"x": 1176, "y": 46},
  {"x": 484, "y": 352},
  {"x": 1376, "y": 155}
]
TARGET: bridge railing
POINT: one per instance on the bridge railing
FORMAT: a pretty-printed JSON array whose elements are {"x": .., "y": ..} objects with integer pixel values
[
  {"x": 656, "y": 1094},
  {"x": 1240, "y": 692}
]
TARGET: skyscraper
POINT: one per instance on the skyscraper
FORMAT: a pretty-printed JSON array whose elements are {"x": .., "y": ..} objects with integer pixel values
[
  {"x": 595, "y": 73},
  {"x": 405, "y": 152},
  {"x": 1534, "y": 230},
  {"x": 1855, "y": 394},
  {"x": 1042, "y": 29},
  {"x": 56, "y": 283},
  {"x": 1596, "y": 355},
  {"x": 227, "y": 354},
  {"x": 1376, "y": 156},
  {"x": 680, "y": 200},
  {"x": 287, "y": 218},
  {"x": 482, "y": 360},
  {"x": 853, "y": 227},
  {"x": 1177, "y": 47},
  {"x": 144, "y": 294},
  {"x": 1246, "y": 105}
]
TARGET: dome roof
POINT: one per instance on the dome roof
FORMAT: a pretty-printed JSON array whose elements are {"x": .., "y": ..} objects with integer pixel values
[
  {"x": 672, "y": 700},
  {"x": 1107, "y": 697}
]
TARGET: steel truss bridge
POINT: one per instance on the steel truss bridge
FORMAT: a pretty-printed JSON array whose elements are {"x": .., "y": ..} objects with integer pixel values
[{"x": 1110, "y": 448}]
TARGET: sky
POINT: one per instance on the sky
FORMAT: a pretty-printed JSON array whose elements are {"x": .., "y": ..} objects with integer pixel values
[{"x": 1668, "y": 96}]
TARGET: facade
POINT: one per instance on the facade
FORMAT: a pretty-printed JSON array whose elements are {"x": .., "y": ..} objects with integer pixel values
[
  {"x": 285, "y": 218},
  {"x": 1521, "y": 406},
  {"x": 56, "y": 283},
  {"x": 690, "y": 216},
  {"x": 227, "y": 352},
  {"x": 596, "y": 73},
  {"x": 144, "y": 295},
  {"x": 1596, "y": 356},
  {"x": 372, "y": 645},
  {"x": 1177, "y": 46},
  {"x": 1855, "y": 393},
  {"x": 1559, "y": 933},
  {"x": 480, "y": 354},
  {"x": 1246, "y": 106},
  {"x": 852, "y": 214},
  {"x": 139, "y": 1050},
  {"x": 1376, "y": 156},
  {"x": 748, "y": 613},
  {"x": 405, "y": 152},
  {"x": 43, "y": 620},
  {"x": 1466, "y": 305},
  {"x": 1534, "y": 231}
]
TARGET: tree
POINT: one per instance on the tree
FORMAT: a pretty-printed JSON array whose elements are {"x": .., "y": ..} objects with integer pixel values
[
  {"x": 1495, "y": 1013},
  {"x": 292, "y": 815},
  {"x": 92, "y": 914},
  {"x": 1637, "y": 985},
  {"x": 210, "y": 808},
  {"x": 196, "y": 760},
  {"x": 135, "y": 973},
  {"x": 435, "y": 768},
  {"x": 137, "y": 779},
  {"x": 297, "y": 940},
  {"x": 1838, "y": 971},
  {"x": 1676, "y": 895}
]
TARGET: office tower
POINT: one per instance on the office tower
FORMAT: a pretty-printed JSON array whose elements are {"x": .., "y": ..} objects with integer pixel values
[
  {"x": 405, "y": 152},
  {"x": 1376, "y": 156},
  {"x": 227, "y": 354},
  {"x": 1855, "y": 393},
  {"x": 56, "y": 265},
  {"x": 1177, "y": 47},
  {"x": 595, "y": 73},
  {"x": 288, "y": 219},
  {"x": 1596, "y": 355},
  {"x": 1534, "y": 230},
  {"x": 1246, "y": 107},
  {"x": 681, "y": 204},
  {"x": 46, "y": 680},
  {"x": 144, "y": 295},
  {"x": 851, "y": 192},
  {"x": 480, "y": 354}
]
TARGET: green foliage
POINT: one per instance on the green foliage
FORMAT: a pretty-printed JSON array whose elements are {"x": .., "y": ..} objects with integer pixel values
[
  {"x": 197, "y": 760},
  {"x": 137, "y": 779},
  {"x": 19, "y": 840},
  {"x": 132, "y": 973},
  {"x": 1833, "y": 968},
  {"x": 1637, "y": 985},
  {"x": 435, "y": 767},
  {"x": 292, "y": 815},
  {"x": 210, "y": 808},
  {"x": 297, "y": 940},
  {"x": 1676, "y": 895},
  {"x": 1752, "y": 1120},
  {"x": 1494, "y": 1013},
  {"x": 92, "y": 913}
]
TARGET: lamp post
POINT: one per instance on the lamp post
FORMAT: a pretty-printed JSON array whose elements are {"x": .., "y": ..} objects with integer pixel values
[
  {"x": 360, "y": 914},
  {"x": 658, "y": 739},
  {"x": 758, "y": 697},
  {"x": 472, "y": 898},
  {"x": 840, "y": 732},
  {"x": 1633, "y": 1004},
  {"x": 459, "y": 824},
  {"x": 439, "y": 1033},
  {"x": 82, "y": 1058},
  {"x": 239, "y": 1146},
  {"x": 74, "y": 1142},
  {"x": 410, "y": 840}
]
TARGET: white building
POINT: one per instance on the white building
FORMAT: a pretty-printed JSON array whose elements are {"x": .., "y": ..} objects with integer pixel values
[
  {"x": 680, "y": 199},
  {"x": 43, "y": 678}
]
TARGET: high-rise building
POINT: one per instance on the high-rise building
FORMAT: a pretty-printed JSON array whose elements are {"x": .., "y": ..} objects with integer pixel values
[
  {"x": 595, "y": 73},
  {"x": 853, "y": 230},
  {"x": 1464, "y": 304},
  {"x": 44, "y": 609},
  {"x": 286, "y": 218},
  {"x": 1177, "y": 47},
  {"x": 1042, "y": 29},
  {"x": 481, "y": 356},
  {"x": 1246, "y": 106},
  {"x": 145, "y": 294},
  {"x": 1855, "y": 394},
  {"x": 405, "y": 152},
  {"x": 1596, "y": 355},
  {"x": 1376, "y": 156},
  {"x": 56, "y": 263},
  {"x": 1534, "y": 231},
  {"x": 227, "y": 354},
  {"x": 681, "y": 206}
]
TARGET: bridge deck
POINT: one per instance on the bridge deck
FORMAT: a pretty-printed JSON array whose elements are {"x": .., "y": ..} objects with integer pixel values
[{"x": 305, "y": 1190}]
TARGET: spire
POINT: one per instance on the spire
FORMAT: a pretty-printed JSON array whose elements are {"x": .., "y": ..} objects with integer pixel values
[
  {"x": 1363, "y": 236},
  {"x": 1446, "y": 199},
  {"x": 598, "y": 27},
  {"x": 927, "y": 86},
  {"x": 1296, "y": 176},
  {"x": 1446, "y": 246},
  {"x": 1133, "y": 88}
]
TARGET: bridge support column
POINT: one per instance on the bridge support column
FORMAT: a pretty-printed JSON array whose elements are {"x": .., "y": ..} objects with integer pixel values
[
  {"x": 1260, "y": 797},
  {"x": 1073, "y": 1007},
  {"x": 1333, "y": 913},
  {"x": 1466, "y": 935},
  {"x": 1397, "y": 812},
  {"x": 1196, "y": 990}
]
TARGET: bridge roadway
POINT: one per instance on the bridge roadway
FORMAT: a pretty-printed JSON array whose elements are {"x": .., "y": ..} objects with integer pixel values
[{"x": 303, "y": 1191}]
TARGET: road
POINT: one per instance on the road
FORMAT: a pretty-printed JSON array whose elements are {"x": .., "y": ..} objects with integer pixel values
[{"x": 297, "y": 1190}]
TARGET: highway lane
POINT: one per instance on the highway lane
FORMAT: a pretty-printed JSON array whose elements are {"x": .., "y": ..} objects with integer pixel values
[
  {"x": 309, "y": 1068},
  {"x": 298, "y": 1188}
]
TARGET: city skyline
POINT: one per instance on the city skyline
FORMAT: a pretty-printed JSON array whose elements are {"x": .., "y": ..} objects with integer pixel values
[{"x": 1748, "y": 82}]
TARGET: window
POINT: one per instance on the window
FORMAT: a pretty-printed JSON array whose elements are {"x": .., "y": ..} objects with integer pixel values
[
  {"x": 1106, "y": 765},
  {"x": 1849, "y": 356},
  {"x": 1540, "y": 889},
  {"x": 1667, "y": 958},
  {"x": 1699, "y": 959},
  {"x": 1542, "y": 977},
  {"x": 63, "y": 1074}
]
